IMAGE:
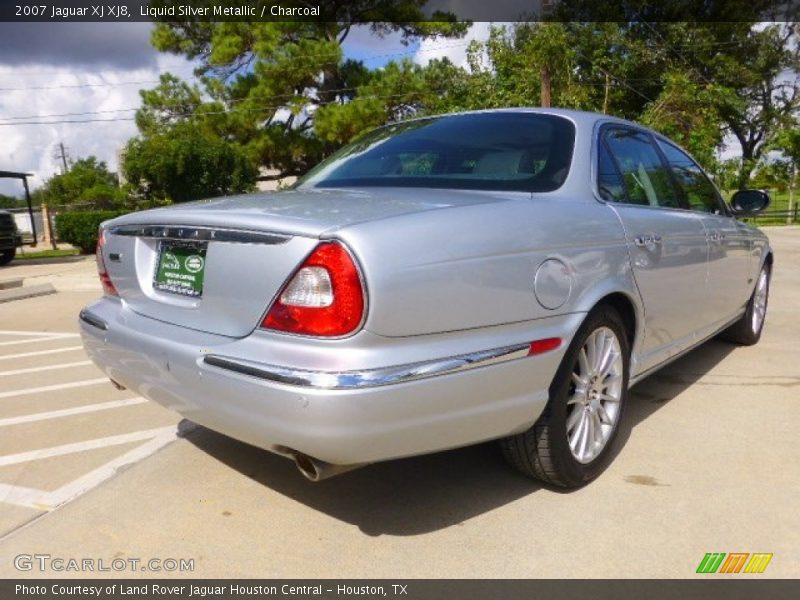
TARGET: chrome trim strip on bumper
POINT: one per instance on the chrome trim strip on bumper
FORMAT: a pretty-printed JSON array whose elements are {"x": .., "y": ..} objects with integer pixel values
[
  {"x": 348, "y": 380},
  {"x": 93, "y": 320},
  {"x": 200, "y": 234}
]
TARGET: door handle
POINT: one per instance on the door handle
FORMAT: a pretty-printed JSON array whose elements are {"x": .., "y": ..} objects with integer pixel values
[{"x": 647, "y": 240}]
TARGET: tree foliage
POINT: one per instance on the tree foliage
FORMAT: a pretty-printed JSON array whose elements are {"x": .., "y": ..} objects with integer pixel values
[
  {"x": 282, "y": 95},
  {"x": 88, "y": 181},
  {"x": 184, "y": 163},
  {"x": 79, "y": 228},
  {"x": 10, "y": 202},
  {"x": 263, "y": 83}
]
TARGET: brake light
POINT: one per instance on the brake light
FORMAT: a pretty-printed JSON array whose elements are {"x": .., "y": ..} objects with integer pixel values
[
  {"x": 105, "y": 279},
  {"x": 323, "y": 298}
]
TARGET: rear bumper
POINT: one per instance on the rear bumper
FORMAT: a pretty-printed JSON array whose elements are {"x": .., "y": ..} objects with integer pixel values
[{"x": 339, "y": 414}]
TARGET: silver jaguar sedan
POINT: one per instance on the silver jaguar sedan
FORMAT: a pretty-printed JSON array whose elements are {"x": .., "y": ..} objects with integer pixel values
[{"x": 438, "y": 282}]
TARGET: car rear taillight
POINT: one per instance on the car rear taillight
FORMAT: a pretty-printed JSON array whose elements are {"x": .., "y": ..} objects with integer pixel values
[
  {"x": 105, "y": 279},
  {"x": 325, "y": 296}
]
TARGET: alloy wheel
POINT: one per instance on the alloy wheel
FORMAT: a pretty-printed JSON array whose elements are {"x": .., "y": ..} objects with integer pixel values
[{"x": 593, "y": 403}]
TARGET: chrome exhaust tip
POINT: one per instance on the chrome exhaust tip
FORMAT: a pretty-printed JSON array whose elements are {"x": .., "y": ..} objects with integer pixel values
[{"x": 317, "y": 470}]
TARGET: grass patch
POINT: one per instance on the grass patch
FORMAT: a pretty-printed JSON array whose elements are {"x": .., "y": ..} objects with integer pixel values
[{"x": 48, "y": 254}]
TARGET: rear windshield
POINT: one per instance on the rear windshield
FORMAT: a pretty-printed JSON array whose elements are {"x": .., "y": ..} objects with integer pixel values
[{"x": 487, "y": 151}]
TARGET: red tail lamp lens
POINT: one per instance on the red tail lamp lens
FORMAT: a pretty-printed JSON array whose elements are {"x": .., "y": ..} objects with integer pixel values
[
  {"x": 324, "y": 297},
  {"x": 105, "y": 279}
]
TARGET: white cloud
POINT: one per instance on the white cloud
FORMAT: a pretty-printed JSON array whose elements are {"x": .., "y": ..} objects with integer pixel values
[
  {"x": 455, "y": 50},
  {"x": 30, "y": 92},
  {"x": 362, "y": 44}
]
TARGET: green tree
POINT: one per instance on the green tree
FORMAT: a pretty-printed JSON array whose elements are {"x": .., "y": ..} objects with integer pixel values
[
  {"x": 10, "y": 202},
  {"x": 742, "y": 74},
  {"x": 787, "y": 142},
  {"x": 398, "y": 91},
  {"x": 88, "y": 181},
  {"x": 185, "y": 162},
  {"x": 263, "y": 83},
  {"x": 694, "y": 82}
]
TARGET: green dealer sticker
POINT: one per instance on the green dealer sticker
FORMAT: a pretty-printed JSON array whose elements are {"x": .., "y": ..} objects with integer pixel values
[{"x": 180, "y": 268}]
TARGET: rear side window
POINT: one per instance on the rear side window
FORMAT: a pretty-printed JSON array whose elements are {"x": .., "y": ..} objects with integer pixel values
[
  {"x": 646, "y": 178},
  {"x": 700, "y": 193}
]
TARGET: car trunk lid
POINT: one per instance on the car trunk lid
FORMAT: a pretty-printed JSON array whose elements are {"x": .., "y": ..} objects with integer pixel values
[{"x": 216, "y": 265}]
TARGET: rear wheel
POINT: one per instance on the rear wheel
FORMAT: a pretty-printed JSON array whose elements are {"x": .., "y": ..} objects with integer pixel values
[
  {"x": 747, "y": 330},
  {"x": 570, "y": 443},
  {"x": 6, "y": 256}
]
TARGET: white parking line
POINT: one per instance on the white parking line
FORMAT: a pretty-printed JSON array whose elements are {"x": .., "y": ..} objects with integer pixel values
[
  {"x": 39, "y": 333},
  {"x": 40, "y": 352},
  {"x": 33, "y": 340},
  {"x": 42, "y": 500},
  {"x": 113, "y": 440},
  {"x": 94, "y": 478},
  {"x": 52, "y": 388},
  {"x": 22, "y": 496},
  {"x": 67, "y": 412},
  {"x": 80, "y": 363}
]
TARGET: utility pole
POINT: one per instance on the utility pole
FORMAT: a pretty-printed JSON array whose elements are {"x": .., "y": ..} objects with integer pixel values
[
  {"x": 792, "y": 184},
  {"x": 61, "y": 154}
]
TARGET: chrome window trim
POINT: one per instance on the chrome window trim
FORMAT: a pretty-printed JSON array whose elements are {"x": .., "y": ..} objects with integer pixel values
[
  {"x": 599, "y": 127},
  {"x": 367, "y": 378},
  {"x": 200, "y": 234}
]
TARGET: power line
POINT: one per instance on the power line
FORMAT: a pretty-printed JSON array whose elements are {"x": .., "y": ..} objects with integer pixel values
[
  {"x": 69, "y": 114},
  {"x": 203, "y": 113},
  {"x": 678, "y": 54},
  {"x": 619, "y": 82},
  {"x": 68, "y": 121},
  {"x": 36, "y": 119},
  {"x": 287, "y": 96},
  {"x": 78, "y": 85},
  {"x": 635, "y": 91}
]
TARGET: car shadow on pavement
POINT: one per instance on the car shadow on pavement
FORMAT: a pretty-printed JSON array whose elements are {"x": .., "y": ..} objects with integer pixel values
[{"x": 422, "y": 494}]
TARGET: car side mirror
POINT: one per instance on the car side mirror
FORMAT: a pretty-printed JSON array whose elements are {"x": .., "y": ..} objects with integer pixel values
[{"x": 745, "y": 203}]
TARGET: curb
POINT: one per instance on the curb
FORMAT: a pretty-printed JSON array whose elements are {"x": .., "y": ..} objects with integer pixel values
[{"x": 18, "y": 292}]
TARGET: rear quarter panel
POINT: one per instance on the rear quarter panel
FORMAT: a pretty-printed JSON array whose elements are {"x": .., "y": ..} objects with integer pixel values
[{"x": 474, "y": 266}]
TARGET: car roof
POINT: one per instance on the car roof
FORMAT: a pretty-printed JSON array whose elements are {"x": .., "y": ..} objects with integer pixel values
[{"x": 581, "y": 118}]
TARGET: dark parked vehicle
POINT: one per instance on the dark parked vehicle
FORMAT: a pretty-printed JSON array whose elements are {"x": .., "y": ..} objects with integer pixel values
[{"x": 10, "y": 239}]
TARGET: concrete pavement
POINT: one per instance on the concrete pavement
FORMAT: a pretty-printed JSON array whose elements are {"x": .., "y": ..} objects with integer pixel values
[{"x": 708, "y": 465}]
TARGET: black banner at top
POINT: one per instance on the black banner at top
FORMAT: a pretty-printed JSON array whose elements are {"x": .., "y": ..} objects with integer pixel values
[{"x": 366, "y": 11}]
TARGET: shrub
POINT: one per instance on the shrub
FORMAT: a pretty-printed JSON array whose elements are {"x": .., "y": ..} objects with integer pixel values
[{"x": 80, "y": 228}]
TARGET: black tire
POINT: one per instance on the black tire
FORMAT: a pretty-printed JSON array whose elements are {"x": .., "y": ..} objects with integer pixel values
[
  {"x": 6, "y": 256},
  {"x": 543, "y": 451},
  {"x": 742, "y": 332}
]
